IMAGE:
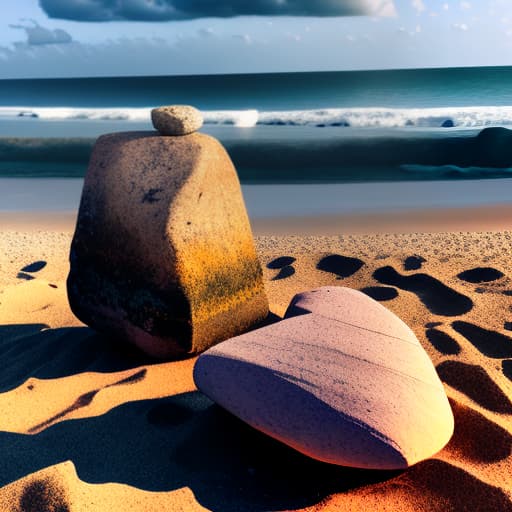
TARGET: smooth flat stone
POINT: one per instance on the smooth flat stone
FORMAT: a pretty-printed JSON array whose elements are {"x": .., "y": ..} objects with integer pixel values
[{"x": 345, "y": 382}]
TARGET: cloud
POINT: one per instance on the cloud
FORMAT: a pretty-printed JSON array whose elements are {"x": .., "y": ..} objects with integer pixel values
[
  {"x": 418, "y": 5},
  {"x": 461, "y": 26},
  {"x": 168, "y": 10},
  {"x": 38, "y": 35}
]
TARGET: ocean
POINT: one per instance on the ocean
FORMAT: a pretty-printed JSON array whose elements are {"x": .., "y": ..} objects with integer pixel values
[{"x": 447, "y": 124}]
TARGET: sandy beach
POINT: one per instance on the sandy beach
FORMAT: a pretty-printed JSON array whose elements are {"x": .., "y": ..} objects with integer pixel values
[{"x": 88, "y": 424}]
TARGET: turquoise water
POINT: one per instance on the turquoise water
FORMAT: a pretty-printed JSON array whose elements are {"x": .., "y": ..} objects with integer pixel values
[{"x": 296, "y": 127}]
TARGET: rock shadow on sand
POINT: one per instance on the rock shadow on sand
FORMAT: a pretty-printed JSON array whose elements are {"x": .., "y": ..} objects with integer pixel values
[
  {"x": 436, "y": 296},
  {"x": 475, "y": 383},
  {"x": 183, "y": 441},
  {"x": 488, "y": 342},
  {"x": 34, "y": 350},
  {"x": 341, "y": 266}
]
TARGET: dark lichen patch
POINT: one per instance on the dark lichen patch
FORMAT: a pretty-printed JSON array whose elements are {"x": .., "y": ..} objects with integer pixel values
[
  {"x": 150, "y": 196},
  {"x": 488, "y": 342},
  {"x": 282, "y": 261},
  {"x": 43, "y": 495},
  {"x": 340, "y": 266},
  {"x": 414, "y": 262},
  {"x": 36, "y": 266},
  {"x": 380, "y": 293},
  {"x": 436, "y": 296},
  {"x": 443, "y": 342},
  {"x": 285, "y": 272},
  {"x": 474, "y": 382},
  {"x": 26, "y": 277},
  {"x": 480, "y": 275}
]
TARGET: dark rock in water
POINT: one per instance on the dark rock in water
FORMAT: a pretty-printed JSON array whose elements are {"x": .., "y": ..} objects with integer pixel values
[
  {"x": 321, "y": 125},
  {"x": 494, "y": 147},
  {"x": 345, "y": 124},
  {"x": 27, "y": 114},
  {"x": 341, "y": 379},
  {"x": 448, "y": 124},
  {"x": 163, "y": 256}
]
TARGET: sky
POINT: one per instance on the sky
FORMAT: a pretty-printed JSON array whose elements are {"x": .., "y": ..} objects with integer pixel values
[{"x": 69, "y": 38}]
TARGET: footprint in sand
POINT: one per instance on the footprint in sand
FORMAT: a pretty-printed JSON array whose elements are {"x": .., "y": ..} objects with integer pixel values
[
  {"x": 340, "y": 266},
  {"x": 480, "y": 275},
  {"x": 437, "y": 297},
  {"x": 380, "y": 293},
  {"x": 474, "y": 382},
  {"x": 443, "y": 342},
  {"x": 284, "y": 265},
  {"x": 27, "y": 270},
  {"x": 488, "y": 342},
  {"x": 414, "y": 262}
]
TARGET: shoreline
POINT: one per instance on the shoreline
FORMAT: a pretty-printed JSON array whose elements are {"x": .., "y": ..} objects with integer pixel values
[{"x": 432, "y": 220}]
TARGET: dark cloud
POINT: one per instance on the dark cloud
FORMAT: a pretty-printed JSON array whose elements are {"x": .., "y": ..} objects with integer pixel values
[
  {"x": 38, "y": 35},
  {"x": 166, "y": 10}
]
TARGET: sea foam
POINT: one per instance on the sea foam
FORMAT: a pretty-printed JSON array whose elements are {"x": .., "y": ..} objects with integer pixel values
[{"x": 370, "y": 117}]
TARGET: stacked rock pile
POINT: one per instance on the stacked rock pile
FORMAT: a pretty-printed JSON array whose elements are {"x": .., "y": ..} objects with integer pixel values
[{"x": 163, "y": 254}]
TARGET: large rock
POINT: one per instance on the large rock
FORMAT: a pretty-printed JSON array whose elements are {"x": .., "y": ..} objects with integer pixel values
[
  {"x": 341, "y": 379},
  {"x": 163, "y": 253}
]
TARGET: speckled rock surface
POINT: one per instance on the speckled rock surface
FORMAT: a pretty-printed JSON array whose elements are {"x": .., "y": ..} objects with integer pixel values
[
  {"x": 344, "y": 381},
  {"x": 176, "y": 119},
  {"x": 163, "y": 253}
]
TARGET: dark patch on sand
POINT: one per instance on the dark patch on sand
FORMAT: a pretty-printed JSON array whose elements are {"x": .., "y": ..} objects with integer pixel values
[
  {"x": 43, "y": 496},
  {"x": 282, "y": 261},
  {"x": 507, "y": 326},
  {"x": 489, "y": 342},
  {"x": 506, "y": 367},
  {"x": 169, "y": 414},
  {"x": 437, "y": 297},
  {"x": 443, "y": 342},
  {"x": 414, "y": 262},
  {"x": 285, "y": 272},
  {"x": 52, "y": 285},
  {"x": 480, "y": 275},
  {"x": 474, "y": 382},
  {"x": 380, "y": 293},
  {"x": 284, "y": 265},
  {"x": 476, "y": 438},
  {"x": 36, "y": 266},
  {"x": 27, "y": 277},
  {"x": 150, "y": 196},
  {"x": 431, "y": 325},
  {"x": 341, "y": 266}
]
